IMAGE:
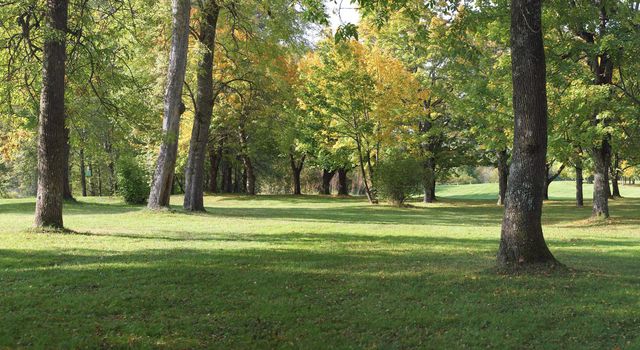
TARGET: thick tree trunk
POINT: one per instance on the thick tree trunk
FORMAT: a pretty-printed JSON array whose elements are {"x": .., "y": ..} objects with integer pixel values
[
  {"x": 343, "y": 189},
  {"x": 67, "y": 192},
  {"x": 173, "y": 106},
  {"x": 296, "y": 169},
  {"x": 430, "y": 181},
  {"x": 327, "y": 176},
  {"x": 51, "y": 134},
  {"x": 600, "y": 183},
  {"x": 215, "y": 158},
  {"x": 522, "y": 241},
  {"x": 503, "y": 175},
  {"x": 579, "y": 183},
  {"x": 194, "y": 170},
  {"x": 83, "y": 174}
]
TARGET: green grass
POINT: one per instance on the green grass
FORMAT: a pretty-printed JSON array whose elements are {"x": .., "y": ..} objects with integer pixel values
[{"x": 314, "y": 273}]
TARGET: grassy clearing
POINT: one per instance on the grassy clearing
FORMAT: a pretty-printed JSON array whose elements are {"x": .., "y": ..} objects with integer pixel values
[{"x": 313, "y": 273}]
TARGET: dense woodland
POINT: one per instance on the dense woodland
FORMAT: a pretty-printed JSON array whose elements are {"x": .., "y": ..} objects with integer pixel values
[{"x": 145, "y": 99}]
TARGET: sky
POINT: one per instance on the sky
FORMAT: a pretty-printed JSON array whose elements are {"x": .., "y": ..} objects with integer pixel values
[{"x": 340, "y": 12}]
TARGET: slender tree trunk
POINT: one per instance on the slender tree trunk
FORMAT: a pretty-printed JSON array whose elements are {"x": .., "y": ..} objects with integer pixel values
[
  {"x": 173, "y": 106},
  {"x": 430, "y": 181},
  {"x": 503, "y": 175},
  {"x": 215, "y": 158},
  {"x": 99, "y": 182},
  {"x": 600, "y": 183},
  {"x": 246, "y": 160},
  {"x": 227, "y": 183},
  {"x": 67, "y": 193},
  {"x": 615, "y": 177},
  {"x": 83, "y": 174},
  {"x": 579, "y": 183},
  {"x": 296, "y": 169},
  {"x": 549, "y": 178},
  {"x": 194, "y": 170},
  {"x": 522, "y": 241},
  {"x": 51, "y": 134},
  {"x": 343, "y": 189},
  {"x": 367, "y": 189},
  {"x": 327, "y": 176}
]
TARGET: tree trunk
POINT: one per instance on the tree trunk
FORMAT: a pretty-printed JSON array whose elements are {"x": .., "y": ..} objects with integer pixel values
[
  {"x": 503, "y": 175},
  {"x": 550, "y": 178},
  {"x": 522, "y": 241},
  {"x": 51, "y": 134},
  {"x": 430, "y": 181},
  {"x": 296, "y": 169},
  {"x": 67, "y": 192},
  {"x": 83, "y": 174},
  {"x": 194, "y": 170},
  {"x": 246, "y": 161},
  {"x": 227, "y": 176},
  {"x": 579, "y": 183},
  {"x": 215, "y": 158},
  {"x": 327, "y": 176},
  {"x": 600, "y": 183},
  {"x": 343, "y": 189},
  {"x": 615, "y": 177},
  {"x": 173, "y": 106}
]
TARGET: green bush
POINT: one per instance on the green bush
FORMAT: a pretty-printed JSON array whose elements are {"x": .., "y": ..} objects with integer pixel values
[
  {"x": 132, "y": 181},
  {"x": 398, "y": 177}
]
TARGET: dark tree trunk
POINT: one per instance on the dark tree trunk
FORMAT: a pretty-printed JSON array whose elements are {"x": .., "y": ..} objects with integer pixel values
[
  {"x": 600, "y": 183},
  {"x": 67, "y": 193},
  {"x": 503, "y": 175},
  {"x": 215, "y": 158},
  {"x": 194, "y": 170},
  {"x": 246, "y": 160},
  {"x": 227, "y": 175},
  {"x": 327, "y": 176},
  {"x": 238, "y": 184},
  {"x": 296, "y": 169},
  {"x": 343, "y": 189},
  {"x": 579, "y": 183},
  {"x": 522, "y": 241},
  {"x": 99, "y": 181},
  {"x": 83, "y": 174},
  {"x": 549, "y": 178},
  {"x": 430, "y": 181},
  {"x": 615, "y": 177},
  {"x": 173, "y": 107},
  {"x": 51, "y": 134}
]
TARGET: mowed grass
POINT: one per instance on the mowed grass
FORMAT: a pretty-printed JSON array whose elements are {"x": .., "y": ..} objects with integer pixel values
[{"x": 314, "y": 273}]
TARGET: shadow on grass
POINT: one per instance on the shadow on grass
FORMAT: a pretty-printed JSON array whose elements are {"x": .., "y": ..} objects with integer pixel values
[{"x": 188, "y": 298}]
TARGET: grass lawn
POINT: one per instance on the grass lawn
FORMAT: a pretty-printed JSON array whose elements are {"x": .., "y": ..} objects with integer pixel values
[{"x": 315, "y": 273}]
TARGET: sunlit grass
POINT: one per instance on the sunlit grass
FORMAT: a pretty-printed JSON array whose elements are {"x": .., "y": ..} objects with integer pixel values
[{"x": 314, "y": 272}]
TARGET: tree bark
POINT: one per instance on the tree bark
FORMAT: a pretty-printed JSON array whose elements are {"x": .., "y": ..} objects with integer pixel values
[
  {"x": 173, "y": 106},
  {"x": 522, "y": 241},
  {"x": 600, "y": 183},
  {"x": 503, "y": 175},
  {"x": 227, "y": 176},
  {"x": 51, "y": 134},
  {"x": 327, "y": 176},
  {"x": 215, "y": 158},
  {"x": 549, "y": 178},
  {"x": 246, "y": 161},
  {"x": 430, "y": 181},
  {"x": 67, "y": 192},
  {"x": 615, "y": 177},
  {"x": 194, "y": 170},
  {"x": 579, "y": 184},
  {"x": 343, "y": 189},
  {"x": 296, "y": 169},
  {"x": 83, "y": 174}
]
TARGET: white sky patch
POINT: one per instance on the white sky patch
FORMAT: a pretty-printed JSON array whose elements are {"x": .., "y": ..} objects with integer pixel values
[{"x": 340, "y": 12}]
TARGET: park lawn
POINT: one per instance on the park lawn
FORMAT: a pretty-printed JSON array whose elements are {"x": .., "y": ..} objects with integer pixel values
[{"x": 313, "y": 273}]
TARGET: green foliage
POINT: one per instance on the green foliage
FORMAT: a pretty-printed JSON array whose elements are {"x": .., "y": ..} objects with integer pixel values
[
  {"x": 398, "y": 176},
  {"x": 132, "y": 181}
]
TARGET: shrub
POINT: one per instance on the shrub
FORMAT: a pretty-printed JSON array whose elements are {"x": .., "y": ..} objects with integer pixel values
[
  {"x": 132, "y": 181},
  {"x": 398, "y": 177}
]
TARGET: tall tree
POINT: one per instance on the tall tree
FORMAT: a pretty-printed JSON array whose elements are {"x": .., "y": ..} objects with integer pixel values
[
  {"x": 173, "y": 106},
  {"x": 51, "y": 131},
  {"x": 522, "y": 241},
  {"x": 194, "y": 170}
]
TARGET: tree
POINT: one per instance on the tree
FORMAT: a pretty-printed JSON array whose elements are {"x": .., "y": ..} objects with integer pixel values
[
  {"x": 194, "y": 170},
  {"x": 173, "y": 107},
  {"x": 522, "y": 241},
  {"x": 51, "y": 131}
]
